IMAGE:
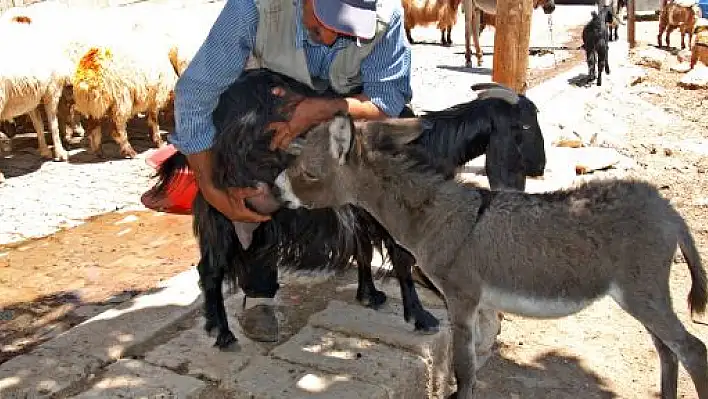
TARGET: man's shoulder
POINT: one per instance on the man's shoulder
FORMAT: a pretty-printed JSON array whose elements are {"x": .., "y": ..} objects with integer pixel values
[{"x": 389, "y": 11}]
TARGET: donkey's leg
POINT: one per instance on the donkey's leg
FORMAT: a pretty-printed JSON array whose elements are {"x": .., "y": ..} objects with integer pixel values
[
  {"x": 366, "y": 292},
  {"x": 669, "y": 368},
  {"x": 654, "y": 311},
  {"x": 463, "y": 313},
  {"x": 402, "y": 263}
]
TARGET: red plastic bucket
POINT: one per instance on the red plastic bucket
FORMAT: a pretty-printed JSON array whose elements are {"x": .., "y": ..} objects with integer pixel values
[{"x": 179, "y": 194}]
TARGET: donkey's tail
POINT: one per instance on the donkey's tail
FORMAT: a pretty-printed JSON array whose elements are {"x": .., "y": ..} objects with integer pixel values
[{"x": 698, "y": 295}]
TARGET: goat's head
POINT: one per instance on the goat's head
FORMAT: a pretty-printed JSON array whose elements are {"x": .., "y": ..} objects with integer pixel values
[
  {"x": 528, "y": 141},
  {"x": 548, "y": 5},
  {"x": 532, "y": 147},
  {"x": 326, "y": 160}
]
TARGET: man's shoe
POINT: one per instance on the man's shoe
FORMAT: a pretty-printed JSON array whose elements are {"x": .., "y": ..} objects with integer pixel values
[{"x": 258, "y": 320}]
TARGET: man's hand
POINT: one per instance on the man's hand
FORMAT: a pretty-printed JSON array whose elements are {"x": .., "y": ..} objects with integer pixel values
[
  {"x": 231, "y": 202},
  {"x": 306, "y": 114}
]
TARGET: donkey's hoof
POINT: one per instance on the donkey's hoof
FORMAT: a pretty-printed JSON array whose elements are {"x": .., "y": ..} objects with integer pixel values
[{"x": 225, "y": 340}]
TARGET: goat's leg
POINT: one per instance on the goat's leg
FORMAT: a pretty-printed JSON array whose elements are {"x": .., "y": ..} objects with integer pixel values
[
  {"x": 211, "y": 278},
  {"x": 38, "y": 124},
  {"x": 662, "y": 27},
  {"x": 591, "y": 60},
  {"x": 154, "y": 128},
  {"x": 654, "y": 311},
  {"x": 402, "y": 263},
  {"x": 120, "y": 136},
  {"x": 95, "y": 137},
  {"x": 468, "y": 21},
  {"x": 216, "y": 239},
  {"x": 408, "y": 35},
  {"x": 668, "y": 35},
  {"x": 601, "y": 64},
  {"x": 366, "y": 292},
  {"x": 476, "y": 17}
]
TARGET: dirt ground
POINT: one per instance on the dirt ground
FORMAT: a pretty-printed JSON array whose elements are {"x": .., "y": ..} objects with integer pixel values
[{"x": 49, "y": 284}]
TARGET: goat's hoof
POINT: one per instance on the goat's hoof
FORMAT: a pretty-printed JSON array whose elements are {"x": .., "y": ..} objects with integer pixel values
[
  {"x": 225, "y": 340},
  {"x": 209, "y": 327},
  {"x": 426, "y": 323},
  {"x": 372, "y": 300}
]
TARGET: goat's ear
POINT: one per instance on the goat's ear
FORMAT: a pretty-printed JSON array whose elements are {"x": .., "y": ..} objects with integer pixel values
[
  {"x": 401, "y": 131},
  {"x": 340, "y": 137}
]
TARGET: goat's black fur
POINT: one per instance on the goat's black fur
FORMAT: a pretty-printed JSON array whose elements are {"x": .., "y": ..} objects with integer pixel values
[
  {"x": 323, "y": 239},
  {"x": 595, "y": 40}
]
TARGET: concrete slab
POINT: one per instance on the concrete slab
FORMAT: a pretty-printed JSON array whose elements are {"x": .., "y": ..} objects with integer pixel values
[
  {"x": 192, "y": 351},
  {"x": 128, "y": 378},
  {"x": 125, "y": 329},
  {"x": 368, "y": 323},
  {"x": 402, "y": 374},
  {"x": 45, "y": 372},
  {"x": 267, "y": 378},
  {"x": 382, "y": 326}
]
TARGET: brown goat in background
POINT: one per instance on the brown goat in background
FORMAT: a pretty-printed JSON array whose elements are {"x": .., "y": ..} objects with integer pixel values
[{"x": 425, "y": 12}]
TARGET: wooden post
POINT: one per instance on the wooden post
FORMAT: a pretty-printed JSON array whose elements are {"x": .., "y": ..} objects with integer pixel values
[
  {"x": 511, "y": 43},
  {"x": 631, "y": 20}
]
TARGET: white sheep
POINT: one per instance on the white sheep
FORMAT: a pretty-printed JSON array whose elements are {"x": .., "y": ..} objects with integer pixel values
[
  {"x": 121, "y": 80},
  {"x": 33, "y": 78}
]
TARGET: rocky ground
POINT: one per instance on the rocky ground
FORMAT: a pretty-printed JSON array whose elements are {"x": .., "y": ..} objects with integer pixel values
[{"x": 50, "y": 284}]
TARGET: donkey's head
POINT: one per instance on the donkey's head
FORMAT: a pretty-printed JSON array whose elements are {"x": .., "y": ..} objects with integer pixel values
[{"x": 327, "y": 161}]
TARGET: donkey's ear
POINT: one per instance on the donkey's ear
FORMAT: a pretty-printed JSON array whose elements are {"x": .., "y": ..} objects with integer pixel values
[
  {"x": 340, "y": 137},
  {"x": 399, "y": 130}
]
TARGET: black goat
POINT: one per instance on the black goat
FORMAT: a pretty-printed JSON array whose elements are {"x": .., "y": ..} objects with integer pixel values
[
  {"x": 607, "y": 13},
  {"x": 596, "y": 47},
  {"x": 327, "y": 239}
]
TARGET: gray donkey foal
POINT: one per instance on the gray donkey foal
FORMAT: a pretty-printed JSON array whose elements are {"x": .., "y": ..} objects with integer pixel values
[{"x": 537, "y": 255}]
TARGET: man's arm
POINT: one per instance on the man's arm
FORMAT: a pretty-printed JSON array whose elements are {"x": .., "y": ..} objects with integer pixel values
[
  {"x": 386, "y": 71},
  {"x": 216, "y": 65}
]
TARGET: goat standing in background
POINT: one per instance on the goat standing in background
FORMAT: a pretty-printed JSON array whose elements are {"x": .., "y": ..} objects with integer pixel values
[
  {"x": 327, "y": 239},
  {"x": 607, "y": 13},
  {"x": 544, "y": 255},
  {"x": 424, "y": 12},
  {"x": 596, "y": 47},
  {"x": 677, "y": 15}
]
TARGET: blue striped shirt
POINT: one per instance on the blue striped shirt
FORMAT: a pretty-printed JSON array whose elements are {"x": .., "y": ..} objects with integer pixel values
[{"x": 220, "y": 60}]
